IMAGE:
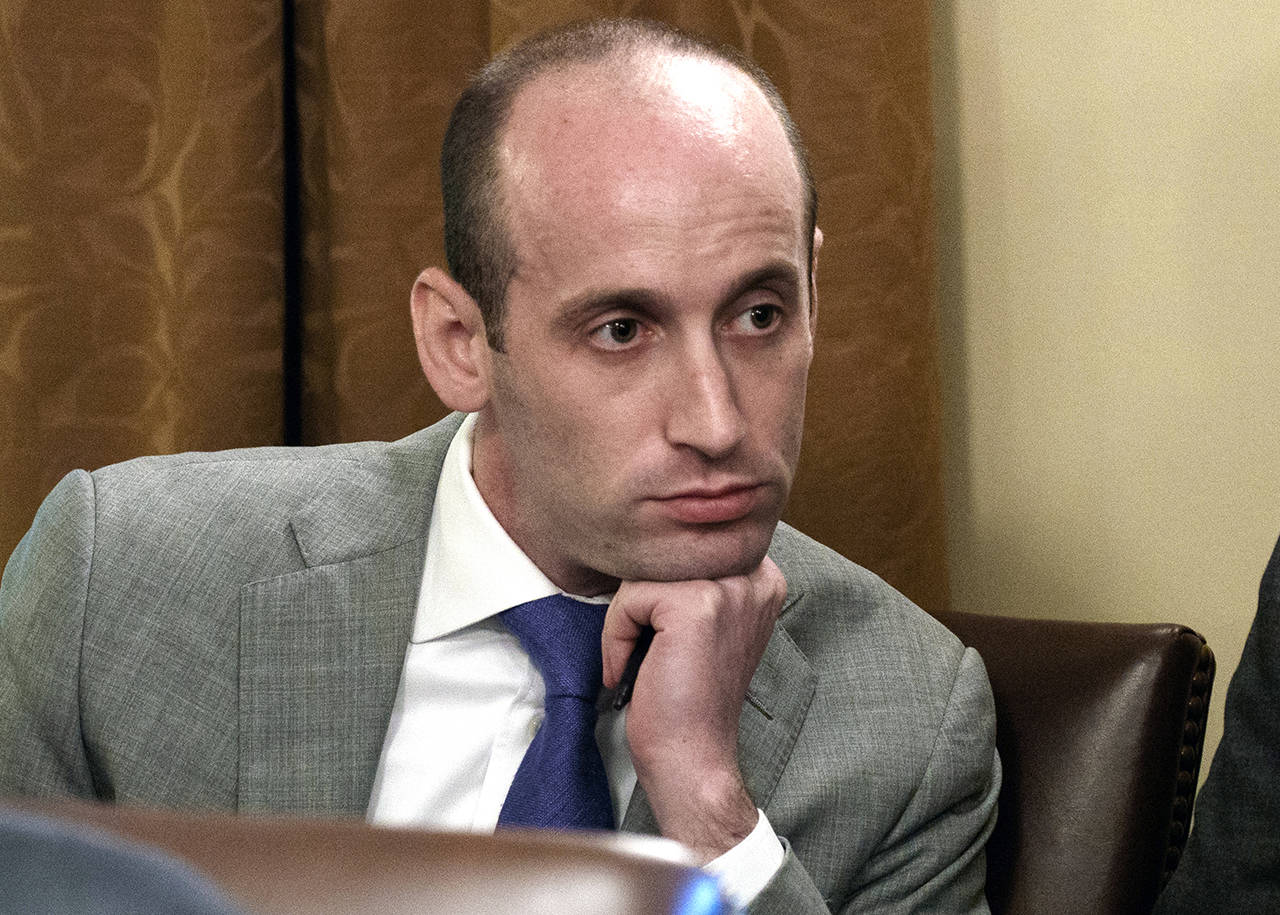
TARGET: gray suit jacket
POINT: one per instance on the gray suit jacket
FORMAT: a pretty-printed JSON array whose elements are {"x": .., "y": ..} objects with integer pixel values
[{"x": 226, "y": 630}]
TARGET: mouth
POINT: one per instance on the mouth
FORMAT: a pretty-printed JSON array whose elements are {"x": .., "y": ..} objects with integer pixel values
[{"x": 713, "y": 505}]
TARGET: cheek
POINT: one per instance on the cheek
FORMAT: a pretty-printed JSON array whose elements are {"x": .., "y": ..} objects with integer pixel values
[
  {"x": 580, "y": 439},
  {"x": 787, "y": 418},
  {"x": 779, "y": 398}
]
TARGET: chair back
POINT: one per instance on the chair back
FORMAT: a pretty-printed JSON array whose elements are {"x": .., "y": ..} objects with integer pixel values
[
  {"x": 1100, "y": 727},
  {"x": 280, "y": 864}
]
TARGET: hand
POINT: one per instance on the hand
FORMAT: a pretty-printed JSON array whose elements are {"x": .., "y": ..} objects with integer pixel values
[{"x": 682, "y": 726}]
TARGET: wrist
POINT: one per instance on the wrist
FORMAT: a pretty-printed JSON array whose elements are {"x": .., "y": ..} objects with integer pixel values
[{"x": 709, "y": 816}]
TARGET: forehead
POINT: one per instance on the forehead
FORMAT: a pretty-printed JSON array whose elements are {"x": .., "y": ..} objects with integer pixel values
[{"x": 645, "y": 139}]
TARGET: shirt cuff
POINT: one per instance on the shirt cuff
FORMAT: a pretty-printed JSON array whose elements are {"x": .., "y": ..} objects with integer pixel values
[{"x": 747, "y": 868}]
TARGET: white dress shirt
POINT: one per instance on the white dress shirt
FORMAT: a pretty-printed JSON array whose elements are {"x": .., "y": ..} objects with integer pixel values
[{"x": 470, "y": 700}]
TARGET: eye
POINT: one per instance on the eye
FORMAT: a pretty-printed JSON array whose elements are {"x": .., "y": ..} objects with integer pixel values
[
  {"x": 758, "y": 318},
  {"x": 616, "y": 334}
]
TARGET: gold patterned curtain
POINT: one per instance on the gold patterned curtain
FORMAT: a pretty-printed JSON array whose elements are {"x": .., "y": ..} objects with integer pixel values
[{"x": 211, "y": 214}]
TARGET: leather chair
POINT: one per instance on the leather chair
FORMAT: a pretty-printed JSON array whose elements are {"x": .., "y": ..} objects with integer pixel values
[
  {"x": 1100, "y": 727},
  {"x": 278, "y": 865}
]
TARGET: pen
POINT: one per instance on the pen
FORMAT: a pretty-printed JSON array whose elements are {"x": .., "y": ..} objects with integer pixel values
[{"x": 628, "y": 681}]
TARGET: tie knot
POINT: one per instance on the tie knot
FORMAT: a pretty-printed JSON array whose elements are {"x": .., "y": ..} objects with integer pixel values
[{"x": 562, "y": 637}]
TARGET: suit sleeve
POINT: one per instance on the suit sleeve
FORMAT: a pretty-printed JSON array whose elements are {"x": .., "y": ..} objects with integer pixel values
[
  {"x": 1234, "y": 850},
  {"x": 42, "y": 606},
  {"x": 933, "y": 859}
]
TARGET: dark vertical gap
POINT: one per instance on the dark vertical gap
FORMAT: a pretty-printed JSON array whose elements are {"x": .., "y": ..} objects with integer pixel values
[{"x": 292, "y": 344}]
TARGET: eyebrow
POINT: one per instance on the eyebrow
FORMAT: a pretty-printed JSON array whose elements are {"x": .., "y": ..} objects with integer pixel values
[
  {"x": 776, "y": 273},
  {"x": 646, "y": 301}
]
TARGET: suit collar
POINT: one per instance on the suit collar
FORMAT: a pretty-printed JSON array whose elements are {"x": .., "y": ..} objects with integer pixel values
[
  {"x": 377, "y": 502},
  {"x": 321, "y": 648}
]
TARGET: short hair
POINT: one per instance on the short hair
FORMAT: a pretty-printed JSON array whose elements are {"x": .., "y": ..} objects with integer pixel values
[{"x": 478, "y": 247}]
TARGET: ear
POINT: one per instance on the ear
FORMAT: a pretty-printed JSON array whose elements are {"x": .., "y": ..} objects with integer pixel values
[
  {"x": 813, "y": 281},
  {"x": 449, "y": 332}
]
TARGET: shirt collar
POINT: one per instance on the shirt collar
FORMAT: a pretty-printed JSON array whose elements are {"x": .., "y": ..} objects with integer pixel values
[{"x": 473, "y": 568}]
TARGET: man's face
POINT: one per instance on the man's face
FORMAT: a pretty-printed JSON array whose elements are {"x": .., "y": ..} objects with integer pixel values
[{"x": 644, "y": 419}]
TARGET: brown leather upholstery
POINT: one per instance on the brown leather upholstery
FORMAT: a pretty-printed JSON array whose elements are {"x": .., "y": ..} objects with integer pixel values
[
  {"x": 287, "y": 865},
  {"x": 1100, "y": 727}
]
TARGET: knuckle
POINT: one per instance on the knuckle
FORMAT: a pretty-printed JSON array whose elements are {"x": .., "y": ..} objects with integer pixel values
[{"x": 716, "y": 594}]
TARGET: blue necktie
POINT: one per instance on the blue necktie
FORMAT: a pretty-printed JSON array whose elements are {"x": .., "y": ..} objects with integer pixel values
[{"x": 561, "y": 783}]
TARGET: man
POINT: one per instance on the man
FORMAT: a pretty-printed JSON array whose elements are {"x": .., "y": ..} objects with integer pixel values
[
  {"x": 1232, "y": 861},
  {"x": 628, "y": 323}
]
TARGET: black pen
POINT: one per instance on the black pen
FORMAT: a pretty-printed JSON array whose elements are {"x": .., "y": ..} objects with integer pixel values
[{"x": 628, "y": 681}]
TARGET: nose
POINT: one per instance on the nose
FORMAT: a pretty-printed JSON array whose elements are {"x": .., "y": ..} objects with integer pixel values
[{"x": 704, "y": 410}]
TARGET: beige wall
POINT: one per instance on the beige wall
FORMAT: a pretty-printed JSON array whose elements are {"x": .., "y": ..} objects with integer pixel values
[{"x": 1109, "y": 201}]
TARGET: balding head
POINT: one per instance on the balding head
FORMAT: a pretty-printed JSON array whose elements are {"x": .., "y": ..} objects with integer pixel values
[{"x": 643, "y": 63}]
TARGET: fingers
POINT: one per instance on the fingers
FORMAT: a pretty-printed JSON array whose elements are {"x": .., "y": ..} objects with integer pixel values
[
  {"x": 682, "y": 724},
  {"x": 769, "y": 584},
  {"x": 668, "y": 605},
  {"x": 627, "y": 615}
]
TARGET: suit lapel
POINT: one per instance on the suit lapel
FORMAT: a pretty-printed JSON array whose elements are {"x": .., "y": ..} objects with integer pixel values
[
  {"x": 321, "y": 649},
  {"x": 777, "y": 702},
  {"x": 320, "y": 661}
]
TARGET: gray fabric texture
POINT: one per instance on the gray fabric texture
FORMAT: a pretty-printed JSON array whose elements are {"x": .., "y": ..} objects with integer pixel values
[
  {"x": 227, "y": 630},
  {"x": 1232, "y": 859}
]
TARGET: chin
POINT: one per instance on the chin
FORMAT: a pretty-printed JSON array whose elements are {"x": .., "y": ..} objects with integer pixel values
[{"x": 700, "y": 555}]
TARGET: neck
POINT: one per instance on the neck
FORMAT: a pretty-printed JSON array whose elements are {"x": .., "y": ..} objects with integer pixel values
[{"x": 494, "y": 483}]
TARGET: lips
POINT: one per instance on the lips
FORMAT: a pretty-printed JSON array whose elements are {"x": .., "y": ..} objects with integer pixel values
[{"x": 712, "y": 505}]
